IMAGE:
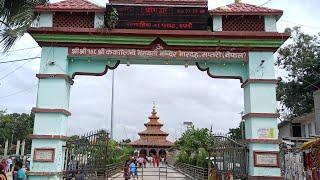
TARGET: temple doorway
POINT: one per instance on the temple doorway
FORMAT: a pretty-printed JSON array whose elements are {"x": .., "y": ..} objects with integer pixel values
[
  {"x": 143, "y": 153},
  {"x": 162, "y": 153},
  {"x": 152, "y": 152}
]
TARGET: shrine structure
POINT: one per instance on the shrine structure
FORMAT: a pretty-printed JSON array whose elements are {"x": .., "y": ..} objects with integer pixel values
[
  {"x": 153, "y": 141},
  {"x": 236, "y": 41}
]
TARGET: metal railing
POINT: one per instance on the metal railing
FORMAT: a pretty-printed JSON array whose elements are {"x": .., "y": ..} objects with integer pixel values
[
  {"x": 156, "y": 173},
  {"x": 113, "y": 169},
  {"x": 194, "y": 172}
]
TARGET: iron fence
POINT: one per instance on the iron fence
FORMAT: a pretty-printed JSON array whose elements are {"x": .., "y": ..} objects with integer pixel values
[
  {"x": 229, "y": 158},
  {"x": 194, "y": 172},
  {"x": 155, "y": 173},
  {"x": 86, "y": 156}
]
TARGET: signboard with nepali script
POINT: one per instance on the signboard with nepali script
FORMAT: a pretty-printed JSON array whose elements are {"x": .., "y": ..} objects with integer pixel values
[
  {"x": 162, "y": 17},
  {"x": 158, "y": 52}
]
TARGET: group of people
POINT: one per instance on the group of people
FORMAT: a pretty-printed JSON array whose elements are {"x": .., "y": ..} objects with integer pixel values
[
  {"x": 6, "y": 167},
  {"x": 131, "y": 166}
]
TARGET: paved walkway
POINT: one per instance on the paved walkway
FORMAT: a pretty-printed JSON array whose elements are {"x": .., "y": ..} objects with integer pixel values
[{"x": 153, "y": 173}]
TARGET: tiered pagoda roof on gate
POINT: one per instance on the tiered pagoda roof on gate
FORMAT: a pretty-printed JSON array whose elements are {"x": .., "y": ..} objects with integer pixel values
[{"x": 153, "y": 136}]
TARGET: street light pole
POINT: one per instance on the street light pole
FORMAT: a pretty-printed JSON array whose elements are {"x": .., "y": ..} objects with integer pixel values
[
  {"x": 112, "y": 104},
  {"x": 242, "y": 128}
]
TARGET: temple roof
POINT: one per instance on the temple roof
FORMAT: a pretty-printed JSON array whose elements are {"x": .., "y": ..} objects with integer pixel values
[
  {"x": 153, "y": 132},
  {"x": 70, "y": 6},
  {"x": 162, "y": 2},
  {"x": 244, "y": 9},
  {"x": 153, "y": 135},
  {"x": 162, "y": 143}
]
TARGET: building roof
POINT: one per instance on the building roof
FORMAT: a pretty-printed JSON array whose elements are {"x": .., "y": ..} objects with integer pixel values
[
  {"x": 153, "y": 143},
  {"x": 70, "y": 6},
  {"x": 153, "y": 135},
  {"x": 153, "y": 132},
  {"x": 305, "y": 118},
  {"x": 283, "y": 123},
  {"x": 244, "y": 9},
  {"x": 162, "y": 2}
]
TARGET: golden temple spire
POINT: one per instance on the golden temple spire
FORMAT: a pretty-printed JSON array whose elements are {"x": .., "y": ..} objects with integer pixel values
[{"x": 238, "y": 1}]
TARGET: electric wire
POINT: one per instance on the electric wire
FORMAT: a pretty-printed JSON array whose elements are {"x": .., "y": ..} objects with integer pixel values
[
  {"x": 15, "y": 50},
  {"x": 302, "y": 25},
  {"x": 18, "y": 92},
  {"x": 265, "y": 3},
  {"x": 19, "y": 67},
  {"x": 17, "y": 60}
]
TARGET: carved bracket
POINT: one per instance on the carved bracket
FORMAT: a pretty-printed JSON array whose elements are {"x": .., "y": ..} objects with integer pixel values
[
  {"x": 107, "y": 67},
  {"x": 207, "y": 69}
]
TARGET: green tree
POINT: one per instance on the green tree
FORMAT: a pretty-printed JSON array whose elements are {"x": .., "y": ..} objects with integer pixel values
[
  {"x": 16, "y": 127},
  {"x": 194, "y": 146},
  {"x": 16, "y": 17},
  {"x": 117, "y": 153},
  {"x": 236, "y": 133},
  {"x": 300, "y": 58}
]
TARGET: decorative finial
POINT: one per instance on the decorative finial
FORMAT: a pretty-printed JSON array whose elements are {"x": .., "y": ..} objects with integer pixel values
[
  {"x": 238, "y": 1},
  {"x": 154, "y": 107}
]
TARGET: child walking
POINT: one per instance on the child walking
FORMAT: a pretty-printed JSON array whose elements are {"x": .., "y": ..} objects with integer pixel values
[{"x": 133, "y": 169}]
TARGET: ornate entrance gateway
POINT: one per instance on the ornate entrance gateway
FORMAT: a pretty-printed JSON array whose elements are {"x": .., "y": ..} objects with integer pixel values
[{"x": 234, "y": 42}]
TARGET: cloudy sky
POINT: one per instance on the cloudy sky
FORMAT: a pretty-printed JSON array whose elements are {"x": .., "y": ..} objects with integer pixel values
[{"x": 181, "y": 94}]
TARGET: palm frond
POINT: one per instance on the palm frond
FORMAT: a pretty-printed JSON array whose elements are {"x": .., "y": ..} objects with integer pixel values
[{"x": 16, "y": 17}]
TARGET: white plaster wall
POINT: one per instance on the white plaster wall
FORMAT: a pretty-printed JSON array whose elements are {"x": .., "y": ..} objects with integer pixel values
[
  {"x": 217, "y": 23},
  {"x": 270, "y": 23},
  {"x": 46, "y": 19},
  {"x": 261, "y": 65},
  {"x": 99, "y": 20}
]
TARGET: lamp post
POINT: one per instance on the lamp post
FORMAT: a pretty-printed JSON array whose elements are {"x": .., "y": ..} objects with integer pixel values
[
  {"x": 242, "y": 126},
  {"x": 112, "y": 104}
]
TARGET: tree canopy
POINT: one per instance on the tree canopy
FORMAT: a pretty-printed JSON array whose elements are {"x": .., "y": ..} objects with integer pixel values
[
  {"x": 301, "y": 60},
  {"x": 15, "y": 127},
  {"x": 236, "y": 133},
  {"x": 194, "y": 146}
]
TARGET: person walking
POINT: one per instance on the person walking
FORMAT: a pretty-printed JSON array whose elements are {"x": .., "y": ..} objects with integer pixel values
[
  {"x": 153, "y": 160},
  {"x": 157, "y": 161},
  {"x": 126, "y": 173},
  {"x": 145, "y": 162},
  {"x": 140, "y": 159},
  {"x": 133, "y": 169},
  {"x": 9, "y": 165},
  {"x": 2, "y": 173},
  {"x": 21, "y": 174},
  {"x": 3, "y": 164}
]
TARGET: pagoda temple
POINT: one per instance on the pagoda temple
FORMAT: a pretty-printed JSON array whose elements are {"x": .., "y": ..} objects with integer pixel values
[{"x": 153, "y": 141}]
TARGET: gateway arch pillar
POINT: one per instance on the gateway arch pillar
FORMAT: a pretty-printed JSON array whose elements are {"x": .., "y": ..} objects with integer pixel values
[
  {"x": 51, "y": 115},
  {"x": 260, "y": 115}
]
